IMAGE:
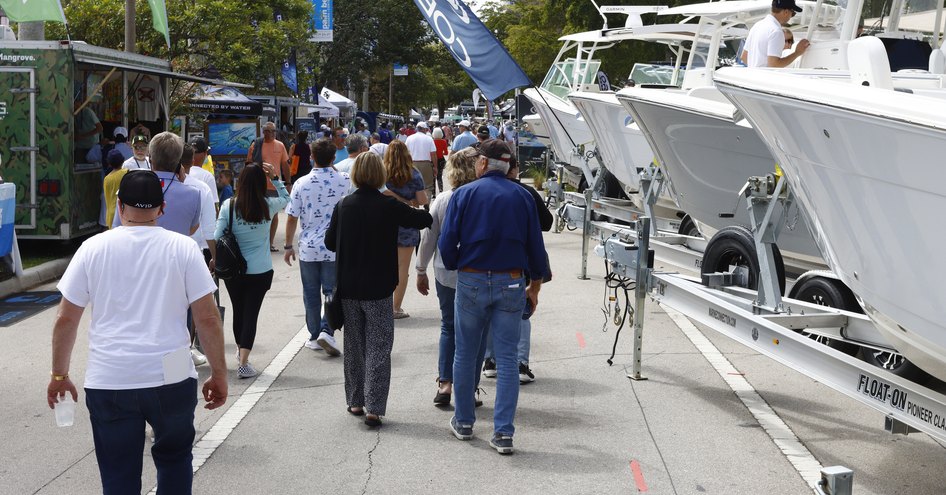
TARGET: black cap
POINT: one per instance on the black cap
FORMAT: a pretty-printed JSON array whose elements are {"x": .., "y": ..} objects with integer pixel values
[
  {"x": 483, "y": 131},
  {"x": 200, "y": 145},
  {"x": 494, "y": 149},
  {"x": 785, "y": 4},
  {"x": 141, "y": 189}
]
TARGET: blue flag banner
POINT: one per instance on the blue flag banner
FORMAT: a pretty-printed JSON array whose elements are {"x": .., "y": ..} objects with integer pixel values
[
  {"x": 289, "y": 75},
  {"x": 323, "y": 21},
  {"x": 473, "y": 46}
]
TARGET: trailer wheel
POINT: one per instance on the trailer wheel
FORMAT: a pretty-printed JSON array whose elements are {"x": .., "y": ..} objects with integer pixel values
[
  {"x": 688, "y": 227},
  {"x": 734, "y": 245},
  {"x": 609, "y": 186},
  {"x": 894, "y": 363},
  {"x": 833, "y": 294}
]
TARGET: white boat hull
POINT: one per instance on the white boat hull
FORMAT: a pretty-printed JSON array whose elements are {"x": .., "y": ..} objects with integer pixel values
[
  {"x": 708, "y": 157},
  {"x": 563, "y": 123},
  {"x": 867, "y": 164},
  {"x": 538, "y": 129},
  {"x": 621, "y": 146}
]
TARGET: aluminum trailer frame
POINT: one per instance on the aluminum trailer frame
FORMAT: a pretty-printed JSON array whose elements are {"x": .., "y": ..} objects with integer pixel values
[
  {"x": 734, "y": 312},
  {"x": 770, "y": 325},
  {"x": 573, "y": 212}
]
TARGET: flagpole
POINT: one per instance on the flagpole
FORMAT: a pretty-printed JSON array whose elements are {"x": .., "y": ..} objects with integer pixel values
[{"x": 130, "y": 34}]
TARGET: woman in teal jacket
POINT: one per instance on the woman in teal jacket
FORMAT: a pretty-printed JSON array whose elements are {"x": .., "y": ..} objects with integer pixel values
[{"x": 253, "y": 214}]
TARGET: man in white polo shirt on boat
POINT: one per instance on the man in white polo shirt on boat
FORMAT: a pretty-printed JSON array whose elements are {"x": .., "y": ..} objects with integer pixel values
[{"x": 766, "y": 41}]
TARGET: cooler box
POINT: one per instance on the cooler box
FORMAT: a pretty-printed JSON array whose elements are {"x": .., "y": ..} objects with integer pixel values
[{"x": 7, "y": 214}]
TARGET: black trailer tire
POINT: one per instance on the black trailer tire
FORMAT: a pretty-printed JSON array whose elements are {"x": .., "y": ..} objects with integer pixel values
[
  {"x": 734, "y": 245},
  {"x": 894, "y": 363},
  {"x": 832, "y": 293},
  {"x": 609, "y": 186},
  {"x": 688, "y": 227}
]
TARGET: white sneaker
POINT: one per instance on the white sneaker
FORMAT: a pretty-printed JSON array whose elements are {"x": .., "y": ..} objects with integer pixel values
[
  {"x": 328, "y": 344},
  {"x": 247, "y": 371},
  {"x": 312, "y": 344},
  {"x": 198, "y": 358}
]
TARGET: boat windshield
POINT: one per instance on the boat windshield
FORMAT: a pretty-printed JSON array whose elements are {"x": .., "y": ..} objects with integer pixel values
[
  {"x": 563, "y": 78},
  {"x": 725, "y": 56},
  {"x": 655, "y": 74}
]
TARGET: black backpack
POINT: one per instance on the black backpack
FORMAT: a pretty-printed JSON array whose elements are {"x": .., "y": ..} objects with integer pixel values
[{"x": 230, "y": 262}]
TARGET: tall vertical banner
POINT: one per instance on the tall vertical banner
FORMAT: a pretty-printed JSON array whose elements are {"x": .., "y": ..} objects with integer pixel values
[
  {"x": 322, "y": 21},
  {"x": 289, "y": 75},
  {"x": 159, "y": 19},
  {"x": 36, "y": 10},
  {"x": 473, "y": 46}
]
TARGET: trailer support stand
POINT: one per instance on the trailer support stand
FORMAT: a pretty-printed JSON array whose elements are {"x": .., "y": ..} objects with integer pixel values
[
  {"x": 652, "y": 183},
  {"x": 640, "y": 294},
  {"x": 585, "y": 233},
  {"x": 763, "y": 195}
]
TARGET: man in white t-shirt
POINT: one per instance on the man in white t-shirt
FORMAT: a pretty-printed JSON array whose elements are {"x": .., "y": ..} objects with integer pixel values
[
  {"x": 766, "y": 41},
  {"x": 140, "y": 279},
  {"x": 139, "y": 160},
  {"x": 312, "y": 202},
  {"x": 199, "y": 172},
  {"x": 424, "y": 153},
  {"x": 204, "y": 235}
]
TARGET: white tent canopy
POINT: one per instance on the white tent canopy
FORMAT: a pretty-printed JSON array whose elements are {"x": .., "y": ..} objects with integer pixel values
[
  {"x": 325, "y": 109},
  {"x": 338, "y": 100}
]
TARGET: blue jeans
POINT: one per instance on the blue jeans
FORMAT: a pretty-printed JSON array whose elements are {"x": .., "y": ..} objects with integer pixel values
[
  {"x": 316, "y": 275},
  {"x": 447, "y": 297},
  {"x": 525, "y": 341},
  {"x": 118, "y": 429},
  {"x": 487, "y": 302}
]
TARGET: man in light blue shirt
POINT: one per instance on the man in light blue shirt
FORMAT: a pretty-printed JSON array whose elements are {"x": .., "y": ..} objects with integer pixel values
[
  {"x": 341, "y": 152},
  {"x": 465, "y": 139},
  {"x": 181, "y": 212}
]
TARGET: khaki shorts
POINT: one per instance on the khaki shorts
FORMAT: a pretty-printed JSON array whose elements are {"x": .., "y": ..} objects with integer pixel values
[{"x": 426, "y": 170}]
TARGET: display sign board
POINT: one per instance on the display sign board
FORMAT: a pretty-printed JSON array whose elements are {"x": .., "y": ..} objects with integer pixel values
[{"x": 322, "y": 21}]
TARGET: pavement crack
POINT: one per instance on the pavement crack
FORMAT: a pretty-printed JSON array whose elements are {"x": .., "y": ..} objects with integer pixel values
[
  {"x": 64, "y": 471},
  {"x": 371, "y": 463}
]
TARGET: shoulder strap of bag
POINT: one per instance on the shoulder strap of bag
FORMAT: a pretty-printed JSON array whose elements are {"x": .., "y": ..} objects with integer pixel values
[
  {"x": 230, "y": 225},
  {"x": 258, "y": 151}
]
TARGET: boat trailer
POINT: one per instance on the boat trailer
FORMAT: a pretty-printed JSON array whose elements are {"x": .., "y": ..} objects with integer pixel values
[{"x": 772, "y": 325}]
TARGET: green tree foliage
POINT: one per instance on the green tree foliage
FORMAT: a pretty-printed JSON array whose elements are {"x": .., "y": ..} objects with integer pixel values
[
  {"x": 204, "y": 33},
  {"x": 437, "y": 82},
  {"x": 370, "y": 36}
]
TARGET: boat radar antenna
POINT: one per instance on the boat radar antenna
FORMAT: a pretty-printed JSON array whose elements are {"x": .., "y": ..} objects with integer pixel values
[{"x": 633, "y": 13}]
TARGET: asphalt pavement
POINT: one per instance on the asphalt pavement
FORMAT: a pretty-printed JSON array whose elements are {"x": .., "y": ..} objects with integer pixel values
[{"x": 582, "y": 426}]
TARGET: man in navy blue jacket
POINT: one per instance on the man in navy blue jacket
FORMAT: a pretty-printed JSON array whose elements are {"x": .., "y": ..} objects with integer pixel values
[{"x": 491, "y": 235}]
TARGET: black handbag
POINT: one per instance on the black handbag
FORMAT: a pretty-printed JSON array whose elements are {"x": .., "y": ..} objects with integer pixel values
[
  {"x": 230, "y": 262},
  {"x": 332, "y": 308}
]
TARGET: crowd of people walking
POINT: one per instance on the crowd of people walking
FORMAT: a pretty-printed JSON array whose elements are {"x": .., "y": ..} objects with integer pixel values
[{"x": 361, "y": 203}]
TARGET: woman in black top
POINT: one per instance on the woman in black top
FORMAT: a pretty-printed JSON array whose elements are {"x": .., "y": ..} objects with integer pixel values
[
  {"x": 366, "y": 225},
  {"x": 300, "y": 148}
]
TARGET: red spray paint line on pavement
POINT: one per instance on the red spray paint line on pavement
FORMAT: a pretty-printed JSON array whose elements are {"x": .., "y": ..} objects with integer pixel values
[
  {"x": 638, "y": 476},
  {"x": 581, "y": 339}
]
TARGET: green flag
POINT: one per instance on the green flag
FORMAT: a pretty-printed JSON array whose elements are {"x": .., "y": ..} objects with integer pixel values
[
  {"x": 159, "y": 19},
  {"x": 33, "y": 10}
]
